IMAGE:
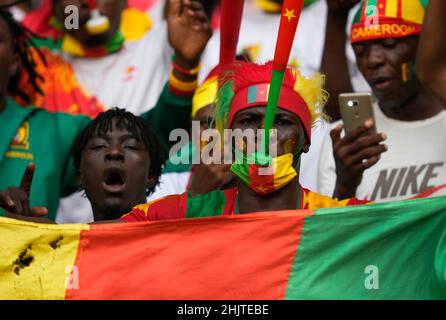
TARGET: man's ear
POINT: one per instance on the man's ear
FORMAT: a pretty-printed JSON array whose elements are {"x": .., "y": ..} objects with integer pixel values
[
  {"x": 80, "y": 180},
  {"x": 151, "y": 181},
  {"x": 306, "y": 147}
]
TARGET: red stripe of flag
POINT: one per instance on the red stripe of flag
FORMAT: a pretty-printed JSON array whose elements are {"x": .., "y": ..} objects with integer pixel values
[{"x": 204, "y": 258}]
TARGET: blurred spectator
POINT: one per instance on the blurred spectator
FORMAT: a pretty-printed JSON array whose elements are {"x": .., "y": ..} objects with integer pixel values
[
  {"x": 30, "y": 134},
  {"x": 20, "y": 9},
  {"x": 189, "y": 42},
  {"x": 412, "y": 162},
  {"x": 90, "y": 73},
  {"x": 181, "y": 173}
]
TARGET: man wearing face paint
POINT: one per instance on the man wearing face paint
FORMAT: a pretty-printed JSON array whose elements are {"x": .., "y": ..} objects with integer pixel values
[
  {"x": 241, "y": 104},
  {"x": 412, "y": 162},
  {"x": 181, "y": 173},
  {"x": 257, "y": 40}
]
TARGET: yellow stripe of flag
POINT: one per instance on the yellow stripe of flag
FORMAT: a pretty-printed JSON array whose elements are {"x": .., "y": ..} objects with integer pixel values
[
  {"x": 412, "y": 11},
  {"x": 391, "y": 8},
  {"x": 35, "y": 260}
]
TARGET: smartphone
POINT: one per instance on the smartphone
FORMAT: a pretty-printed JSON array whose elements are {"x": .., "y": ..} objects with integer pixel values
[{"x": 355, "y": 109}]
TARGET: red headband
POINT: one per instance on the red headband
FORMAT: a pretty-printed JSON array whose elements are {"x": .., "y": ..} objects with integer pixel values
[{"x": 257, "y": 95}]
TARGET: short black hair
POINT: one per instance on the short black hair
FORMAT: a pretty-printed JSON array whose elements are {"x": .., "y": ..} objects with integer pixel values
[
  {"x": 137, "y": 126},
  {"x": 22, "y": 39}
]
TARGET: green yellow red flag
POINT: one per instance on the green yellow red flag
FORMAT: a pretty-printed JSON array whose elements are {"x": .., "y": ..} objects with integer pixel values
[{"x": 380, "y": 251}]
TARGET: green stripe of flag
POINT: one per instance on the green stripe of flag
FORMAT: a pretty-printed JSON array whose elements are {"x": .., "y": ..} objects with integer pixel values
[
  {"x": 210, "y": 204},
  {"x": 371, "y": 3},
  {"x": 382, "y": 251},
  {"x": 252, "y": 94}
]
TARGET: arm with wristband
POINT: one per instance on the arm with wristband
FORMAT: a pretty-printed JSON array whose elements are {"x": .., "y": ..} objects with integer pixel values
[{"x": 189, "y": 31}]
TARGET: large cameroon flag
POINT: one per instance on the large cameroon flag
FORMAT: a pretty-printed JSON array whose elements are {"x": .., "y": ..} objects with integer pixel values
[{"x": 381, "y": 251}]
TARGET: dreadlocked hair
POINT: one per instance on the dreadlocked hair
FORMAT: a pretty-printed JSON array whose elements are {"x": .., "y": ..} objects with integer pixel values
[
  {"x": 241, "y": 74},
  {"x": 22, "y": 40},
  {"x": 137, "y": 126}
]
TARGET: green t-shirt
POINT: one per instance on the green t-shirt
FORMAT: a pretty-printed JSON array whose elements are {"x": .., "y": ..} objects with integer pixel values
[{"x": 35, "y": 135}]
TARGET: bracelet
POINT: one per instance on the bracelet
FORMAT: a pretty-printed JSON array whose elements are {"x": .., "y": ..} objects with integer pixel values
[
  {"x": 182, "y": 85},
  {"x": 189, "y": 72}
]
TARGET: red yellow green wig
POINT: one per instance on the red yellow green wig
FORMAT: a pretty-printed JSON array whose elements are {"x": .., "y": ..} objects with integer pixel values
[{"x": 246, "y": 84}]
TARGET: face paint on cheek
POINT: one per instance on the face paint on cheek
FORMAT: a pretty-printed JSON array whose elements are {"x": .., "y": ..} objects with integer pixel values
[
  {"x": 289, "y": 145},
  {"x": 407, "y": 71}
]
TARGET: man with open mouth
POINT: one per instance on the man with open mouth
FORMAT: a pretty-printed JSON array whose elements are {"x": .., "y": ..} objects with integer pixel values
[
  {"x": 118, "y": 164},
  {"x": 259, "y": 188}
]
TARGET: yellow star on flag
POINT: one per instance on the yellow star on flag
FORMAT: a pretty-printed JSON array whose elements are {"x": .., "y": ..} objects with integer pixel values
[
  {"x": 261, "y": 188},
  {"x": 289, "y": 14}
]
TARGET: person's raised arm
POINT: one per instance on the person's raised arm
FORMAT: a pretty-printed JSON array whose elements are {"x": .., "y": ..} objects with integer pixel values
[
  {"x": 430, "y": 65},
  {"x": 334, "y": 59},
  {"x": 189, "y": 31}
]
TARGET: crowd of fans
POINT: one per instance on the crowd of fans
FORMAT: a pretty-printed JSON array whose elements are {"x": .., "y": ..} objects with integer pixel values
[{"x": 87, "y": 117}]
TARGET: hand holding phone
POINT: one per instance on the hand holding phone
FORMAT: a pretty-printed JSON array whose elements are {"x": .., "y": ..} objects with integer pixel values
[
  {"x": 356, "y": 109},
  {"x": 360, "y": 148}
]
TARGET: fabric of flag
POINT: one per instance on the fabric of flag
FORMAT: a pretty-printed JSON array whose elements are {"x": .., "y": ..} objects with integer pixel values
[
  {"x": 379, "y": 19},
  {"x": 258, "y": 93},
  {"x": 380, "y": 251},
  {"x": 220, "y": 202}
]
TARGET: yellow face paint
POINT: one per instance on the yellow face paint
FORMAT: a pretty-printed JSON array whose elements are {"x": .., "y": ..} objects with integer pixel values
[{"x": 289, "y": 146}]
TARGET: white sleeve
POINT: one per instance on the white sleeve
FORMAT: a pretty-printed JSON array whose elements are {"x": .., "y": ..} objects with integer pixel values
[
  {"x": 326, "y": 170},
  {"x": 74, "y": 209}
]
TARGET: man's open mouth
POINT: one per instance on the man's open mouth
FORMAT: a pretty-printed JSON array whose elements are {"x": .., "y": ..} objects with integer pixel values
[
  {"x": 381, "y": 82},
  {"x": 114, "y": 180}
]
